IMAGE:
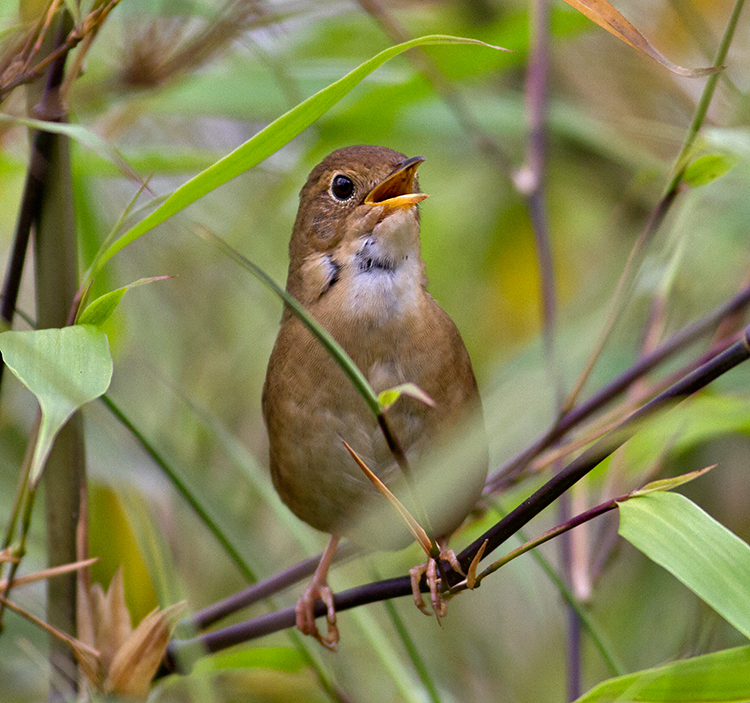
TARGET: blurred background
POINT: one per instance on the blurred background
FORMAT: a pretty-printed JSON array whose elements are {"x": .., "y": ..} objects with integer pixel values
[{"x": 175, "y": 85}]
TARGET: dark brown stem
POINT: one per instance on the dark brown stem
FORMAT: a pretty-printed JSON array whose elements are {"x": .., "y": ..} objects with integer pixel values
[
  {"x": 258, "y": 591},
  {"x": 181, "y": 653}
]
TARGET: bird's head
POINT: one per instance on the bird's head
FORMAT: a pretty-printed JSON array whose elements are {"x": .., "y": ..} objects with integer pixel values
[{"x": 357, "y": 219}]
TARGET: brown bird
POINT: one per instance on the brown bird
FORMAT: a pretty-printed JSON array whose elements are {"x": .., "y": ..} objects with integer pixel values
[{"x": 355, "y": 264}]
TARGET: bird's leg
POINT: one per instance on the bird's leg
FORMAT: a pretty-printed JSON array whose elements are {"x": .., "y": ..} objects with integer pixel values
[
  {"x": 430, "y": 571},
  {"x": 319, "y": 588}
]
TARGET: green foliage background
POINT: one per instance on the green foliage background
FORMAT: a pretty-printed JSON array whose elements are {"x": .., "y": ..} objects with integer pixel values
[{"x": 190, "y": 352}]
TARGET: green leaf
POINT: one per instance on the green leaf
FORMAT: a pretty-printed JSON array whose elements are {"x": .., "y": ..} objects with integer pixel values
[
  {"x": 269, "y": 140},
  {"x": 709, "y": 559},
  {"x": 64, "y": 368},
  {"x": 719, "y": 677},
  {"x": 706, "y": 169},
  {"x": 389, "y": 396},
  {"x": 101, "y": 309},
  {"x": 668, "y": 484},
  {"x": 278, "y": 658}
]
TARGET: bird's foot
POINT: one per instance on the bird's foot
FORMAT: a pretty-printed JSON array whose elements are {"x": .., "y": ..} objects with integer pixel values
[
  {"x": 305, "y": 614},
  {"x": 430, "y": 571}
]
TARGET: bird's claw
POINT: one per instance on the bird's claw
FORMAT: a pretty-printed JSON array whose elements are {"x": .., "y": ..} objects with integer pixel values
[
  {"x": 430, "y": 571},
  {"x": 305, "y": 615}
]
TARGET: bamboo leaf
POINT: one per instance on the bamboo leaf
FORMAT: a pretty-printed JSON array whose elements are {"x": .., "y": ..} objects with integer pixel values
[
  {"x": 389, "y": 396},
  {"x": 707, "y": 168},
  {"x": 65, "y": 369},
  {"x": 607, "y": 17},
  {"x": 699, "y": 551},
  {"x": 719, "y": 677},
  {"x": 101, "y": 309},
  {"x": 269, "y": 140}
]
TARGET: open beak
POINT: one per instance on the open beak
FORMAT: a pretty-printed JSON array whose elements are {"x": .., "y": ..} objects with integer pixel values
[{"x": 398, "y": 189}]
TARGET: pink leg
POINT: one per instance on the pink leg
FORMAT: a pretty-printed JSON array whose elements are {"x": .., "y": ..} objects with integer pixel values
[{"x": 319, "y": 588}]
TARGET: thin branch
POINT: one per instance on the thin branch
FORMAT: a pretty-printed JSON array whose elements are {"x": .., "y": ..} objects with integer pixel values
[
  {"x": 257, "y": 592},
  {"x": 181, "y": 653},
  {"x": 90, "y": 24},
  {"x": 677, "y": 342},
  {"x": 577, "y": 469}
]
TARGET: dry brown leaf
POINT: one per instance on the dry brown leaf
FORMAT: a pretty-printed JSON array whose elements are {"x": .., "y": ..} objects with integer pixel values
[
  {"x": 414, "y": 527},
  {"x": 136, "y": 662},
  {"x": 607, "y": 17},
  {"x": 128, "y": 659},
  {"x": 112, "y": 625}
]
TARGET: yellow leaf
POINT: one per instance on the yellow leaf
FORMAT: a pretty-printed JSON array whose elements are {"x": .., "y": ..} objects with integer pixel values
[{"x": 607, "y": 17}]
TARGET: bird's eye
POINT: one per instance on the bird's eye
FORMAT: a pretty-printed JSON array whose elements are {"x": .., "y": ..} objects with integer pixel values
[{"x": 342, "y": 187}]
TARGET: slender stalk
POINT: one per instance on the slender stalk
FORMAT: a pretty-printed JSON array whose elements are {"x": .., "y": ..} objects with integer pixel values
[
  {"x": 414, "y": 656},
  {"x": 21, "y": 488},
  {"x": 183, "y": 490},
  {"x": 27, "y": 497},
  {"x": 622, "y": 292},
  {"x": 705, "y": 100},
  {"x": 56, "y": 284},
  {"x": 624, "y": 285},
  {"x": 677, "y": 342}
]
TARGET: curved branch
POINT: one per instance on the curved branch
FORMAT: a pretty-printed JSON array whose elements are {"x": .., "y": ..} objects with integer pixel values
[{"x": 182, "y": 651}]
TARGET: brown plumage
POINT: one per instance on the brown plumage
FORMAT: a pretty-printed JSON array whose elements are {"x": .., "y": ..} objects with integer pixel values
[{"x": 355, "y": 264}]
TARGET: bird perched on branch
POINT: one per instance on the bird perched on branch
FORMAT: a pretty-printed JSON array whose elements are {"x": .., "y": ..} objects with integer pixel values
[{"x": 355, "y": 265}]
